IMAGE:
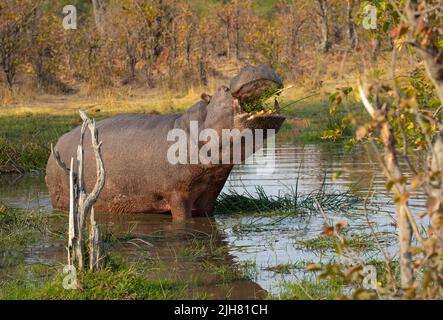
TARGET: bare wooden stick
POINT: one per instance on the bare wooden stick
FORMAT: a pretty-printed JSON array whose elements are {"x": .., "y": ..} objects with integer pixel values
[
  {"x": 72, "y": 215},
  {"x": 94, "y": 244},
  {"x": 81, "y": 202},
  {"x": 59, "y": 161}
]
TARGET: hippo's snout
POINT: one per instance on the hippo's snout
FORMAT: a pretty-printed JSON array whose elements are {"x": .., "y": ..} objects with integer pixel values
[
  {"x": 224, "y": 89},
  {"x": 255, "y": 83},
  {"x": 251, "y": 87}
]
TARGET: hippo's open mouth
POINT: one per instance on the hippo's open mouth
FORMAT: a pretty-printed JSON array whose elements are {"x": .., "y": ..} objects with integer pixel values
[{"x": 251, "y": 88}]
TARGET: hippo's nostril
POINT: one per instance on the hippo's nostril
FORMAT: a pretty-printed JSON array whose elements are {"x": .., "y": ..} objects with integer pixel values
[{"x": 223, "y": 88}]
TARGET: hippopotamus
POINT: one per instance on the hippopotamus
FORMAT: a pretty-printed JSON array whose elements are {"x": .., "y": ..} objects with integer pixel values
[{"x": 139, "y": 176}]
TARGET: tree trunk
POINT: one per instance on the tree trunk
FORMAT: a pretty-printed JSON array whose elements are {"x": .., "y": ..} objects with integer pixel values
[
  {"x": 375, "y": 47},
  {"x": 202, "y": 64},
  {"x": 132, "y": 59},
  {"x": 100, "y": 7},
  {"x": 352, "y": 36},
  {"x": 188, "y": 42},
  {"x": 237, "y": 30},
  {"x": 325, "y": 43},
  {"x": 227, "y": 24}
]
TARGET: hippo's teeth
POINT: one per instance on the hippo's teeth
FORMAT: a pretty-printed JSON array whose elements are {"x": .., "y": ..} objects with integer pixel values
[
  {"x": 237, "y": 107},
  {"x": 251, "y": 117}
]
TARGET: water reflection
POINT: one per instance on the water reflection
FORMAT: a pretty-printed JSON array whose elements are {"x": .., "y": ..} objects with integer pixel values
[
  {"x": 311, "y": 167},
  {"x": 194, "y": 251}
]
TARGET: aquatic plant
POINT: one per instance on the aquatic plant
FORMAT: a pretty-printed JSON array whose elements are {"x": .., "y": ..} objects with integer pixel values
[
  {"x": 357, "y": 242},
  {"x": 289, "y": 202},
  {"x": 310, "y": 288},
  {"x": 19, "y": 228}
]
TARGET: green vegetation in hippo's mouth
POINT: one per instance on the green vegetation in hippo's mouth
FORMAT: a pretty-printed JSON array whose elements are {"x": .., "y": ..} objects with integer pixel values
[{"x": 262, "y": 103}]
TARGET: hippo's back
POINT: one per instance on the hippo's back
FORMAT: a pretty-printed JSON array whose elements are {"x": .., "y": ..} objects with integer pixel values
[{"x": 134, "y": 149}]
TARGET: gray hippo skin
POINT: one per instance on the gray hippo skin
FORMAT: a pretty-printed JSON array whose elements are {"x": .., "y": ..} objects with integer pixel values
[{"x": 139, "y": 177}]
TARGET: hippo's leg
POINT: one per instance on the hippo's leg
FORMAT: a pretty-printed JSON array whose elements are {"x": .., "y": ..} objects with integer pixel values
[
  {"x": 206, "y": 211},
  {"x": 205, "y": 204},
  {"x": 181, "y": 207}
]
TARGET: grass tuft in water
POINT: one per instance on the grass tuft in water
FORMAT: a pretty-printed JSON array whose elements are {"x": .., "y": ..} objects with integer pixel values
[
  {"x": 19, "y": 228},
  {"x": 287, "y": 268},
  {"x": 311, "y": 288},
  {"x": 291, "y": 202},
  {"x": 357, "y": 242}
]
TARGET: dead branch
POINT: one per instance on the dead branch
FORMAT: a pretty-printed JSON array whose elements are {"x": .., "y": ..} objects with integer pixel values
[{"x": 81, "y": 202}]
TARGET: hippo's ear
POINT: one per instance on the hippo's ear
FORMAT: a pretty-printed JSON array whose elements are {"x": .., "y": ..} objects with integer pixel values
[
  {"x": 220, "y": 117},
  {"x": 197, "y": 113},
  {"x": 206, "y": 97}
]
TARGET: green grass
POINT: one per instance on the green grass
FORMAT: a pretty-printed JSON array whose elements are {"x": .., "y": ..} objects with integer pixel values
[
  {"x": 310, "y": 288},
  {"x": 313, "y": 286},
  {"x": 308, "y": 121},
  {"x": 291, "y": 202},
  {"x": 358, "y": 242},
  {"x": 109, "y": 284},
  {"x": 25, "y": 140},
  {"x": 146, "y": 277},
  {"x": 286, "y": 268},
  {"x": 204, "y": 247},
  {"x": 20, "y": 228},
  {"x": 226, "y": 272}
]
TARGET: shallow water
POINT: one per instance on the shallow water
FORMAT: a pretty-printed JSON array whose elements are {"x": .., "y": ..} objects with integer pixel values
[
  {"x": 261, "y": 242},
  {"x": 310, "y": 167}
]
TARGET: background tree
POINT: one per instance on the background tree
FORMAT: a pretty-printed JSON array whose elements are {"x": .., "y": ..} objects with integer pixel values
[
  {"x": 352, "y": 34},
  {"x": 100, "y": 8},
  {"x": 323, "y": 12},
  {"x": 15, "y": 20}
]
